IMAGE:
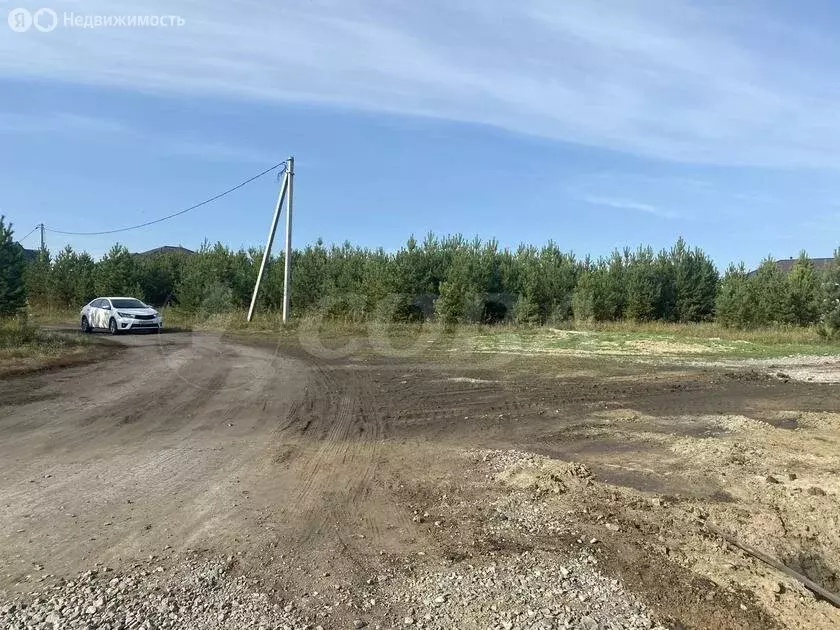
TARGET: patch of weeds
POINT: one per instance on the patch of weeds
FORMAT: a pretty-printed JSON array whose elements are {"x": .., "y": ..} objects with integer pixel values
[{"x": 21, "y": 339}]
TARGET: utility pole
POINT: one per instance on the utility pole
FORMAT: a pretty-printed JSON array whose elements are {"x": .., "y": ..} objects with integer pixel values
[
  {"x": 271, "y": 231},
  {"x": 42, "y": 236},
  {"x": 287, "y": 271}
]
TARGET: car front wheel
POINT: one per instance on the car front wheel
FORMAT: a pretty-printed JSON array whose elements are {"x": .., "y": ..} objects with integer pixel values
[
  {"x": 112, "y": 327},
  {"x": 85, "y": 325}
]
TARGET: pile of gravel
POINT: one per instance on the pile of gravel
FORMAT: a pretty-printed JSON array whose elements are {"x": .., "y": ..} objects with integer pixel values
[
  {"x": 527, "y": 591},
  {"x": 530, "y": 590},
  {"x": 199, "y": 594}
]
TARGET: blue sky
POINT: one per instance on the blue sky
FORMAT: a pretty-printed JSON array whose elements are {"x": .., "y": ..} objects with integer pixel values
[{"x": 597, "y": 124}]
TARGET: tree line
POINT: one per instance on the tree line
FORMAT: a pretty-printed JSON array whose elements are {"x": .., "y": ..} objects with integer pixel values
[{"x": 450, "y": 279}]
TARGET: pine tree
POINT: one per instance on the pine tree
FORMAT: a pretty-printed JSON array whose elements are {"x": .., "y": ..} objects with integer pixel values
[
  {"x": 36, "y": 277},
  {"x": 583, "y": 297},
  {"x": 769, "y": 293},
  {"x": 71, "y": 278},
  {"x": 666, "y": 307},
  {"x": 12, "y": 287},
  {"x": 459, "y": 299},
  {"x": 116, "y": 274},
  {"x": 643, "y": 286},
  {"x": 736, "y": 304},
  {"x": 695, "y": 283},
  {"x": 611, "y": 287},
  {"x": 802, "y": 303},
  {"x": 830, "y": 302}
]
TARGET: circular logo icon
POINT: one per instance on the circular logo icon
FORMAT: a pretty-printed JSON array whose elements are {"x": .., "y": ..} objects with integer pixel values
[
  {"x": 20, "y": 20},
  {"x": 45, "y": 20}
]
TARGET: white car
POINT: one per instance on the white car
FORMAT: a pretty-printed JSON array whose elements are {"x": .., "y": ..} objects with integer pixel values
[{"x": 119, "y": 314}]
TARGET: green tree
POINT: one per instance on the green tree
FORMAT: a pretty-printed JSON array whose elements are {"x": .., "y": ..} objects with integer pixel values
[
  {"x": 736, "y": 301},
  {"x": 12, "y": 287},
  {"x": 830, "y": 299},
  {"x": 583, "y": 297},
  {"x": 695, "y": 283},
  {"x": 310, "y": 269},
  {"x": 459, "y": 299},
  {"x": 769, "y": 289},
  {"x": 527, "y": 312},
  {"x": 802, "y": 303},
  {"x": 610, "y": 284},
  {"x": 72, "y": 278},
  {"x": 116, "y": 274},
  {"x": 457, "y": 279},
  {"x": 158, "y": 276},
  {"x": 666, "y": 307},
  {"x": 644, "y": 286}
]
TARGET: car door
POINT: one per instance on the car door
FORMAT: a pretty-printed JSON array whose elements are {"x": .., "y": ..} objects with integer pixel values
[
  {"x": 104, "y": 313},
  {"x": 96, "y": 313},
  {"x": 91, "y": 313}
]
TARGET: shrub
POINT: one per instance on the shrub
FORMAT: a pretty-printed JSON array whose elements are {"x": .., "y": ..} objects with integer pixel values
[{"x": 16, "y": 331}]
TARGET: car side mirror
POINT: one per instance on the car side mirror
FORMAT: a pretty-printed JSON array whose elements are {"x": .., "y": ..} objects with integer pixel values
[{"x": 107, "y": 307}]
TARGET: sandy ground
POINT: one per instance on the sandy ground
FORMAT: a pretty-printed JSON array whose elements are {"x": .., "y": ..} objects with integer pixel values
[{"x": 352, "y": 490}]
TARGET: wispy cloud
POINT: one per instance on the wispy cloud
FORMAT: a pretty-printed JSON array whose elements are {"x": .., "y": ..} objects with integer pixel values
[
  {"x": 627, "y": 204},
  {"x": 57, "y": 123},
  {"x": 74, "y": 125},
  {"x": 672, "y": 79}
]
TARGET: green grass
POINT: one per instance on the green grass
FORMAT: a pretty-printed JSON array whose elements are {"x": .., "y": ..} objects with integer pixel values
[
  {"x": 700, "y": 341},
  {"x": 51, "y": 316},
  {"x": 765, "y": 336},
  {"x": 21, "y": 340},
  {"x": 604, "y": 339}
]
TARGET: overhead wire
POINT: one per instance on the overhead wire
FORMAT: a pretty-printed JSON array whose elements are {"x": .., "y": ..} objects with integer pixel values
[
  {"x": 20, "y": 240},
  {"x": 179, "y": 212}
]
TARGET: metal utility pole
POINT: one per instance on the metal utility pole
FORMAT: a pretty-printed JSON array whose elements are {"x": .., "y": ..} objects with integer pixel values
[
  {"x": 271, "y": 231},
  {"x": 287, "y": 272}
]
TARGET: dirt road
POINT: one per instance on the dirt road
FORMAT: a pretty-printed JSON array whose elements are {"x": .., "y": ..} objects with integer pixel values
[{"x": 338, "y": 483}]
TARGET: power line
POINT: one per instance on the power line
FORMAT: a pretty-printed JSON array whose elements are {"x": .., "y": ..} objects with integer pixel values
[
  {"x": 174, "y": 214},
  {"x": 20, "y": 240}
]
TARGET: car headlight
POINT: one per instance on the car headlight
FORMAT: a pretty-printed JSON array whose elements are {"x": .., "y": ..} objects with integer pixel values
[{"x": 126, "y": 315}]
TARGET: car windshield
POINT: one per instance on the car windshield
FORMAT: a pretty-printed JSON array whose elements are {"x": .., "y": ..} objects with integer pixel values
[{"x": 128, "y": 304}]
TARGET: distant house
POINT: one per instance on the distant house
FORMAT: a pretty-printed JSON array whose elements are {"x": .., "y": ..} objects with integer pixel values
[
  {"x": 31, "y": 254},
  {"x": 786, "y": 264},
  {"x": 166, "y": 249},
  {"x": 28, "y": 254},
  {"x": 819, "y": 263}
]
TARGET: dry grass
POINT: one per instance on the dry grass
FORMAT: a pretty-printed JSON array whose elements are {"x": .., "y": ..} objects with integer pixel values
[
  {"x": 709, "y": 330},
  {"x": 24, "y": 346},
  {"x": 635, "y": 338}
]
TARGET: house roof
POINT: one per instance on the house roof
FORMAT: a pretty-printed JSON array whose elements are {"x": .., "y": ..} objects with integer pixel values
[
  {"x": 786, "y": 264},
  {"x": 819, "y": 263},
  {"x": 166, "y": 249},
  {"x": 29, "y": 254}
]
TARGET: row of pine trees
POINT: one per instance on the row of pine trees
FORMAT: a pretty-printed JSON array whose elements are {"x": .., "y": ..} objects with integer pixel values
[{"x": 451, "y": 279}]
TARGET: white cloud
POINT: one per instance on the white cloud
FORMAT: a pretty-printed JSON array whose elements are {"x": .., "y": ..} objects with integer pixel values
[
  {"x": 671, "y": 79},
  {"x": 57, "y": 123},
  {"x": 104, "y": 129},
  {"x": 627, "y": 204}
]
